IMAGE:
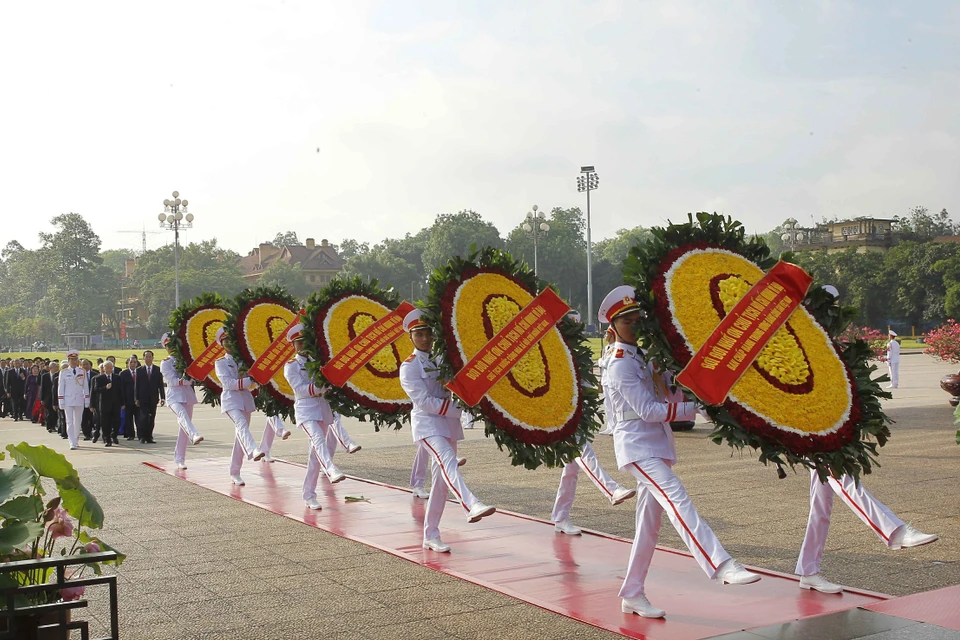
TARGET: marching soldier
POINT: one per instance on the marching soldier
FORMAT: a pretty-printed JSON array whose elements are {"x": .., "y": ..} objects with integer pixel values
[
  {"x": 435, "y": 422},
  {"x": 314, "y": 416},
  {"x": 181, "y": 398},
  {"x": 73, "y": 395},
  {"x": 236, "y": 400},
  {"x": 643, "y": 409}
]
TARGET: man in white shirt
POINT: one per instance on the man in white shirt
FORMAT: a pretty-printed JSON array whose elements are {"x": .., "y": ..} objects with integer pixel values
[
  {"x": 893, "y": 359},
  {"x": 181, "y": 398},
  {"x": 73, "y": 395},
  {"x": 236, "y": 400},
  {"x": 643, "y": 408}
]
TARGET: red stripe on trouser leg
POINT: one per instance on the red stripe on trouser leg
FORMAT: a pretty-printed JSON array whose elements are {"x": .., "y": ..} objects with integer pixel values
[
  {"x": 860, "y": 510},
  {"x": 596, "y": 480},
  {"x": 445, "y": 476},
  {"x": 677, "y": 513},
  {"x": 313, "y": 449}
]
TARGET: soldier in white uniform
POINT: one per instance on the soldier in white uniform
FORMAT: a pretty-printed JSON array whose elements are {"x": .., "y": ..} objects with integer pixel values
[
  {"x": 588, "y": 462},
  {"x": 314, "y": 416},
  {"x": 73, "y": 395},
  {"x": 236, "y": 401},
  {"x": 271, "y": 429},
  {"x": 418, "y": 475},
  {"x": 435, "y": 422},
  {"x": 893, "y": 360},
  {"x": 609, "y": 337},
  {"x": 181, "y": 398},
  {"x": 643, "y": 408}
]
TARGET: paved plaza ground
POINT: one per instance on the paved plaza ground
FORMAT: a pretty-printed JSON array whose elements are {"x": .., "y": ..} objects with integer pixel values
[{"x": 201, "y": 565}]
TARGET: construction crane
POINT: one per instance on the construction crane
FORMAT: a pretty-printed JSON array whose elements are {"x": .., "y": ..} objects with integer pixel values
[{"x": 143, "y": 234}]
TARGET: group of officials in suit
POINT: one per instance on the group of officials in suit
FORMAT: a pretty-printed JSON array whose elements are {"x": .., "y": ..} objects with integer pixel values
[{"x": 76, "y": 400}]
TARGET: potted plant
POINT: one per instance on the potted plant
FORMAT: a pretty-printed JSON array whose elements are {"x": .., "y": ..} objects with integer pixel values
[
  {"x": 943, "y": 343},
  {"x": 35, "y": 525}
]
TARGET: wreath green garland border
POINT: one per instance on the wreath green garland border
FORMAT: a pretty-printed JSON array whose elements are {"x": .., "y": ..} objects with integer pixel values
[
  {"x": 271, "y": 402},
  {"x": 211, "y": 391},
  {"x": 528, "y": 455},
  {"x": 341, "y": 399},
  {"x": 872, "y": 431}
]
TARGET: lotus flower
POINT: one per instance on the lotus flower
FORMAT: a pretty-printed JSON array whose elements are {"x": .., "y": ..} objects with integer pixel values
[
  {"x": 61, "y": 525},
  {"x": 71, "y": 593},
  {"x": 92, "y": 547}
]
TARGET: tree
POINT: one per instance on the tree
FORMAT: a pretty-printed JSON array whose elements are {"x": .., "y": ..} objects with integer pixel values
[
  {"x": 116, "y": 259},
  {"x": 391, "y": 270},
  {"x": 919, "y": 224},
  {"x": 452, "y": 234},
  {"x": 285, "y": 239},
  {"x": 615, "y": 250},
  {"x": 289, "y": 276},
  {"x": 350, "y": 247}
]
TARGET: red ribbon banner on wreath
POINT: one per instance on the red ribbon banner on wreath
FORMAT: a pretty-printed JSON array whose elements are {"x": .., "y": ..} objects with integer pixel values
[
  {"x": 365, "y": 346},
  {"x": 276, "y": 355},
  {"x": 744, "y": 332},
  {"x": 505, "y": 349},
  {"x": 200, "y": 368}
]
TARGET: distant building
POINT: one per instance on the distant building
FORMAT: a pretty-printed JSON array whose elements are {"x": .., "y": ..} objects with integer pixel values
[
  {"x": 318, "y": 263},
  {"x": 129, "y": 321},
  {"x": 865, "y": 234}
]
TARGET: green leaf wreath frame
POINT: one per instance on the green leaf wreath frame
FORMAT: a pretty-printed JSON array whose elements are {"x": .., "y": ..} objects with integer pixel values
[
  {"x": 268, "y": 399},
  {"x": 526, "y": 454},
  {"x": 178, "y": 326},
  {"x": 644, "y": 266},
  {"x": 344, "y": 400}
]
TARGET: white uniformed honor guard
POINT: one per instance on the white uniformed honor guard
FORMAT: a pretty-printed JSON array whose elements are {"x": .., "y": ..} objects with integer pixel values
[
  {"x": 418, "y": 475},
  {"x": 181, "y": 398},
  {"x": 271, "y": 430},
  {"x": 643, "y": 408},
  {"x": 73, "y": 395},
  {"x": 435, "y": 422},
  {"x": 567, "y": 491},
  {"x": 893, "y": 359},
  {"x": 236, "y": 401},
  {"x": 609, "y": 337},
  {"x": 314, "y": 416}
]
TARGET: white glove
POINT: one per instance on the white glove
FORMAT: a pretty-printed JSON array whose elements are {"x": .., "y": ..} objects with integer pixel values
[{"x": 250, "y": 384}]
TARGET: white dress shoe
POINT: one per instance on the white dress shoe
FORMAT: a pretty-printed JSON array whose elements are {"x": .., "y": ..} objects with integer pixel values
[
  {"x": 419, "y": 492},
  {"x": 818, "y": 583},
  {"x": 461, "y": 462},
  {"x": 313, "y": 504},
  {"x": 480, "y": 510},
  {"x": 334, "y": 475},
  {"x": 732, "y": 572},
  {"x": 258, "y": 455},
  {"x": 74, "y": 448},
  {"x": 436, "y": 545},
  {"x": 642, "y": 607},
  {"x": 197, "y": 439},
  {"x": 284, "y": 434},
  {"x": 622, "y": 494},
  {"x": 237, "y": 480},
  {"x": 565, "y": 526},
  {"x": 181, "y": 465},
  {"x": 906, "y": 536},
  {"x": 267, "y": 457},
  {"x": 354, "y": 448}
]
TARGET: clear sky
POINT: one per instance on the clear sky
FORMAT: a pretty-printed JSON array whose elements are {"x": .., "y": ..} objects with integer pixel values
[{"x": 366, "y": 119}]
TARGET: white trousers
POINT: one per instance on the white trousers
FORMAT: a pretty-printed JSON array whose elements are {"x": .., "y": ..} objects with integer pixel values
[
  {"x": 659, "y": 490},
  {"x": 184, "y": 413},
  {"x": 418, "y": 475},
  {"x": 873, "y": 512},
  {"x": 446, "y": 474},
  {"x": 320, "y": 458},
  {"x": 73, "y": 416},
  {"x": 337, "y": 435},
  {"x": 273, "y": 428},
  {"x": 243, "y": 444},
  {"x": 567, "y": 490},
  {"x": 894, "y": 370}
]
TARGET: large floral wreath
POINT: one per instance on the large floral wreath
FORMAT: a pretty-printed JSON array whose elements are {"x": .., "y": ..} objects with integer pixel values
[
  {"x": 808, "y": 398},
  {"x": 193, "y": 327},
  {"x": 257, "y": 317},
  {"x": 335, "y": 315},
  {"x": 542, "y": 409}
]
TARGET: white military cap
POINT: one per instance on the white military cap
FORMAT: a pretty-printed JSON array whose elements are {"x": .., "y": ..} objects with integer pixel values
[
  {"x": 619, "y": 301},
  {"x": 832, "y": 290},
  {"x": 295, "y": 332},
  {"x": 164, "y": 339},
  {"x": 73, "y": 353},
  {"x": 893, "y": 333},
  {"x": 414, "y": 320},
  {"x": 221, "y": 334},
  {"x": 574, "y": 315}
]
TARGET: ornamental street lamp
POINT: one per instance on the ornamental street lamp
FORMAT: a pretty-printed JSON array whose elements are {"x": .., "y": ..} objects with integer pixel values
[
  {"x": 174, "y": 218},
  {"x": 791, "y": 235},
  {"x": 535, "y": 225},
  {"x": 588, "y": 181}
]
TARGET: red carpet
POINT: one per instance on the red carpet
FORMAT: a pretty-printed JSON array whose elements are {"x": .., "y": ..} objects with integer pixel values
[
  {"x": 522, "y": 557},
  {"x": 940, "y": 607}
]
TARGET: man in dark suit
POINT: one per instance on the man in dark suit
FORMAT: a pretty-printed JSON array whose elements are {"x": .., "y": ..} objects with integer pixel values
[
  {"x": 149, "y": 382},
  {"x": 128, "y": 391},
  {"x": 48, "y": 396},
  {"x": 88, "y": 420},
  {"x": 14, "y": 383},
  {"x": 4, "y": 403},
  {"x": 106, "y": 401}
]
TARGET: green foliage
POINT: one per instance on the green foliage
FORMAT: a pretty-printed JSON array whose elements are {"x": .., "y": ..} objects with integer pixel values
[
  {"x": 527, "y": 455},
  {"x": 211, "y": 393},
  {"x": 286, "y": 238},
  {"x": 382, "y": 264},
  {"x": 16, "y": 481},
  {"x": 642, "y": 266},
  {"x": 286, "y": 276},
  {"x": 266, "y": 401},
  {"x": 452, "y": 234},
  {"x": 339, "y": 400}
]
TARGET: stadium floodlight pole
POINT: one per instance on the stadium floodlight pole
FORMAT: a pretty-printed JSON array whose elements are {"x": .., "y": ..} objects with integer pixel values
[
  {"x": 588, "y": 181},
  {"x": 172, "y": 219}
]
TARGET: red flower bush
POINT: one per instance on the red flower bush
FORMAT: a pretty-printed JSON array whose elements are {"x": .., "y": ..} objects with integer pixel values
[
  {"x": 943, "y": 343},
  {"x": 877, "y": 340}
]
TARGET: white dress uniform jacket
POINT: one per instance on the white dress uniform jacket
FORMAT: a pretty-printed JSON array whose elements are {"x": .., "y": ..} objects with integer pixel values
[
  {"x": 309, "y": 403},
  {"x": 642, "y": 409},
  {"x": 179, "y": 389},
  {"x": 893, "y": 351},
  {"x": 73, "y": 389},
  {"x": 434, "y": 413},
  {"x": 236, "y": 394}
]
